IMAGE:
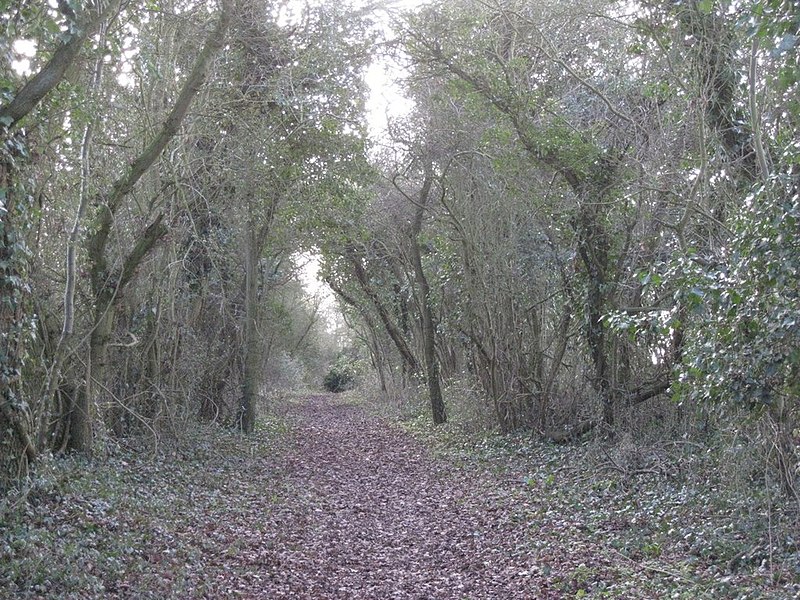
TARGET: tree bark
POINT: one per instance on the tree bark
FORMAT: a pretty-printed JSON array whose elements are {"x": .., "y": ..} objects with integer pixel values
[
  {"x": 593, "y": 247},
  {"x": 252, "y": 377},
  {"x": 53, "y": 72},
  {"x": 64, "y": 345},
  {"x": 252, "y": 349},
  {"x": 558, "y": 359}
]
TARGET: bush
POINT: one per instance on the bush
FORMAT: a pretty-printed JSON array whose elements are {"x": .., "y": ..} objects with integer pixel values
[{"x": 341, "y": 377}]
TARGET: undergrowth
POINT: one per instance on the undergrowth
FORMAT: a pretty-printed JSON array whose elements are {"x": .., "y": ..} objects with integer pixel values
[
  {"x": 677, "y": 512},
  {"x": 133, "y": 525}
]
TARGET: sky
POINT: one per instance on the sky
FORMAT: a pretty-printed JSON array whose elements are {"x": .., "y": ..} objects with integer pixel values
[{"x": 386, "y": 100}]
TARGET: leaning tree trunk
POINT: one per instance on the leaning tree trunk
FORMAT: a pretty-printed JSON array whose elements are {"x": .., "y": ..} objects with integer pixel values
[
  {"x": 432, "y": 378},
  {"x": 373, "y": 341}
]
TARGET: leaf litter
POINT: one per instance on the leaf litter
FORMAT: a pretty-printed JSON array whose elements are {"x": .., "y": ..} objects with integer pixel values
[{"x": 335, "y": 502}]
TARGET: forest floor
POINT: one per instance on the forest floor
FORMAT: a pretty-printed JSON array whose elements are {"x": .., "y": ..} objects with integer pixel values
[{"x": 333, "y": 501}]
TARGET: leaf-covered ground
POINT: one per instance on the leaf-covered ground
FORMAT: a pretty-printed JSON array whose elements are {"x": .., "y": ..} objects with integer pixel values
[{"x": 335, "y": 502}]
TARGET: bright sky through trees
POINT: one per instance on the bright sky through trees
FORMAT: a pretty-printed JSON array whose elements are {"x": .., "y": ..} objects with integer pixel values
[{"x": 386, "y": 102}]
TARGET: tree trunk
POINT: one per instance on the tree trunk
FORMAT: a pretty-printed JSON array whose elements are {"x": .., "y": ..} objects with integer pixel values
[
  {"x": 64, "y": 345},
  {"x": 374, "y": 345},
  {"x": 432, "y": 378},
  {"x": 213, "y": 385},
  {"x": 53, "y": 72},
  {"x": 16, "y": 450},
  {"x": 562, "y": 331},
  {"x": 81, "y": 417},
  {"x": 593, "y": 248},
  {"x": 251, "y": 379}
]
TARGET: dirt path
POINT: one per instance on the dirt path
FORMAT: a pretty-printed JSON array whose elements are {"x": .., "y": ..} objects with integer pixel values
[
  {"x": 377, "y": 517},
  {"x": 348, "y": 506}
]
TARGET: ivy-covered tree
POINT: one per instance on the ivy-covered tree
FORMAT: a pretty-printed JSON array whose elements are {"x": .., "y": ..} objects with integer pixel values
[{"x": 20, "y": 98}]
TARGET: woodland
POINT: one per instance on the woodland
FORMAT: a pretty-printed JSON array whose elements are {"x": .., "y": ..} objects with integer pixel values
[{"x": 559, "y": 354}]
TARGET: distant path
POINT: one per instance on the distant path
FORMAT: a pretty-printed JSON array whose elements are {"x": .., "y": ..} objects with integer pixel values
[{"x": 376, "y": 516}]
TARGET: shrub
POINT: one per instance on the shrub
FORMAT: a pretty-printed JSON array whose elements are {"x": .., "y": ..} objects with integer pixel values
[{"x": 341, "y": 376}]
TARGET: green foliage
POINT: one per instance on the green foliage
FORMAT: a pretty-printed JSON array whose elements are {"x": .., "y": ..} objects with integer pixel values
[
  {"x": 744, "y": 343},
  {"x": 775, "y": 26},
  {"x": 16, "y": 319},
  {"x": 343, "y": 375}
]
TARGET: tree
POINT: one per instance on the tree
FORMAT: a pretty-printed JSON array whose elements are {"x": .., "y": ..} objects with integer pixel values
[
  {"x": 575, "y": 125},
  {"x": 15, "y": 412},
  {"x": 740, "y": 287},
  {"x": 421, "y": 205},
  {"x": 107, "y": 283}
]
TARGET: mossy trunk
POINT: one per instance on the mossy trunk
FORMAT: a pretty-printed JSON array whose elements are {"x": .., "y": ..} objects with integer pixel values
[
  {"x": 90, "y": 394},
  {"x": 432, "y": 377}
]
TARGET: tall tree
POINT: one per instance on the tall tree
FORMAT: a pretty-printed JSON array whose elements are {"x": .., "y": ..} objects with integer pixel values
[
  {"x": 14, "y": 411},
  {"x": 421, "y": 202}
]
